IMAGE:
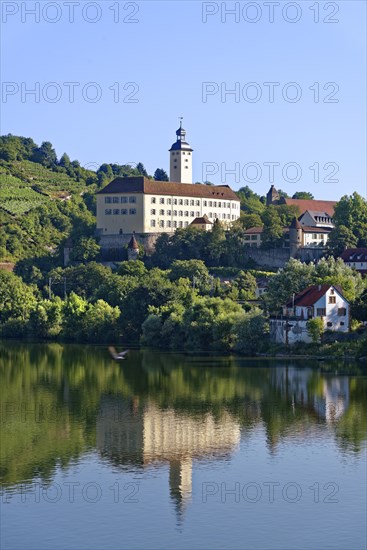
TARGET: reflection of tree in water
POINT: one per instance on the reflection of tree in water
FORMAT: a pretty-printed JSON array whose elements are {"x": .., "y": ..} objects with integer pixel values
[{"x": 67, "y": 387}]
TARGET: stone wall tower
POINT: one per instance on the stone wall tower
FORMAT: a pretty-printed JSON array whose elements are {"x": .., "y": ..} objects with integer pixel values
[
  {"x": 133, "y": 249},
  {"x": 295, "y": 237},
  {"x": 181, "y": 158},
  {"x": 272, "y": 196}
]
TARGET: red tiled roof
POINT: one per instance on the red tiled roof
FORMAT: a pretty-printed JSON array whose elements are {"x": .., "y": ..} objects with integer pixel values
[
  {"x": 153, "y": 187},
  {"x": 254, "y": 230},
  {"x": 310, "y": 295},
  {"x": 133, "y": 244},
  {"x": 308, "y": 204},
  {"x": 351, "y": 255},
  {"x": 203, "y": 220},
  {"x": 313, "y": 229}
]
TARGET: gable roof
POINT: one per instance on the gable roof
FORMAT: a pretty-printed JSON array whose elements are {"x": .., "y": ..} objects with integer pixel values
[
  {"x": 354, "y": 255},
  {"x": 254, "y": 230},
  {"x": 141, "y": 184},
  {"x": 312, "y": 205},
  {"x": 310, "y": 295},
  {"x": 201, "y": 220}
]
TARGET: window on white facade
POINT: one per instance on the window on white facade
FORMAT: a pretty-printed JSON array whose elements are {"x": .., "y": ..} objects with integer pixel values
[
  {"x": 153, "y": 211},
  {"x": 132, "y": 211},
  {"x": 115, "y": 200},
  {"x": 124, "y": 200},
  {"x": 161, "y": 200},
  {"x": 205, "y": 203},
  {"x": 332, "y": 299},
  {"x": 192, "y": 203},
  {"x": 161, "y": 212},
  {"x": 123, "y": 211},
  {"x": 186, "y": 213},
  {"x": 219, "y": 204},
  {"x": 174, "y": 201},
  {"x": 180, "y": 201},
  {"x": 215, "y": 204},
  {"x": 132, "y": 199},
  {"x": 197, "y": 203},
  {"x": 210, "y": 203},
  {"x": 152, "y": 223},
  {"x": 108, "y": 200},
  {"x": 116, "y": 211},
  {"x": 197, "y": 214},
  {"x": 169, "y": 212},
  {"x": 180, "y": 213},
  {"x": 161, "y": 223},
  {"x": 342, "y": 311},
  {"x": 186, "y": 202},
  {"x": 108, "y": 212},
  {"x": 174, "y": 223},
  {"x": 186, "y": 224},
  {"x": 175, "y": 212},
  {"x": 169, "y": 223},
  {"x": 169, "y": 201},
  {"x": 153, "y": 200},
  {"x": 320, "y": 312},
  {"x": 180, "y": 224},
  {"x": 192, "y": 214}
]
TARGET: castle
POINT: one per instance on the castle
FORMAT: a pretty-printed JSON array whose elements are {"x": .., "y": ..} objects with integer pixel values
[{"x": 147, "y": 208}]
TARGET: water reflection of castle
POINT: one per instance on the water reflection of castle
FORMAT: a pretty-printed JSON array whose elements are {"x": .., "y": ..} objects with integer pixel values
[
  {"x": 329, "y": 399},
  {"x": 127, "y": 433},
  {"x": 130, "y": 433}
]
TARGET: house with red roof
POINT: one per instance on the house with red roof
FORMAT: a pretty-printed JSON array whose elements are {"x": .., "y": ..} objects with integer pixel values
[
  {"x": 326, "y": 302},
  {"x": 356, "y": 258}
]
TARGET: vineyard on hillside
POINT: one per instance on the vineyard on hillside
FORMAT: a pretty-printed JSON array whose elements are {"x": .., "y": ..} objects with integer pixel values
[{"x": 17, "y": 197}]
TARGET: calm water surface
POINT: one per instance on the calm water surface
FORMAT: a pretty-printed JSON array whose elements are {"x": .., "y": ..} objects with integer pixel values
[{"x": 168, "y": 451}]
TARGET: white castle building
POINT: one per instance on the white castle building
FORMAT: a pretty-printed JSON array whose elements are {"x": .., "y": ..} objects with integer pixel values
[{"x": 147, "y": 208}]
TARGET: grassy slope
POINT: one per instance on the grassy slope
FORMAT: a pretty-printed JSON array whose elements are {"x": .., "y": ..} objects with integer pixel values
[{"x": 37, "y": 206}]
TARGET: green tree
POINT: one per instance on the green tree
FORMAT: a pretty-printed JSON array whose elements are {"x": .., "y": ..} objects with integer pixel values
[
  {"x": 141, "y": 169},
  {"x": 351, "y": 212},
  {"x": 45, "y": 155},
  {"x": 250, "y": 332},
  {"x": 294, "y": 277},
  {"x": 303, "y": 195},
  {"x": 272, "y": 236},
  {"x": 191, "y": 269},
  {"x": 132, "y": 269},
  {"x": 46, "y": 318},
  {"x": 315, "y": 328},
  {"x": 246, "y": 284},
  {"x": 340, "y": 238},
  {"x": 160, "y": 175},
  {"x": 85, "y": 249},
  {"x": 17, "y": 299}
]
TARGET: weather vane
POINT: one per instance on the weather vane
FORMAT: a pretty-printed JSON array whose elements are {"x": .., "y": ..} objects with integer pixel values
[{"x": 181, "y": 119}]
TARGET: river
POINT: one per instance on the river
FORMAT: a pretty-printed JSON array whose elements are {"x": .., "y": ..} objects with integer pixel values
[{"x": 174, "y": 451}]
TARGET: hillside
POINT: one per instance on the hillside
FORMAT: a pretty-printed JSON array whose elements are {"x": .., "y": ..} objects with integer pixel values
[{"x": 45, "y": 200}]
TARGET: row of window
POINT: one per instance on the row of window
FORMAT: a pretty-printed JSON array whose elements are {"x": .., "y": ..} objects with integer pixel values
[
  {"x": 169, "y": 224},
  {"x": 183, "y": 152},
  {"x": 118, "y": 200},
  {"x": 118, "y": 212},
  {"x": 191, "y": 202},
  {"x": 321, "y": 311},
  {"x": 191, "y": 214}
]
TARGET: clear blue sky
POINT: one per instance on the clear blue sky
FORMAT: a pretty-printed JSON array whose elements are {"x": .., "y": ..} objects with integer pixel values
[{"x": 169, "y": 52}]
